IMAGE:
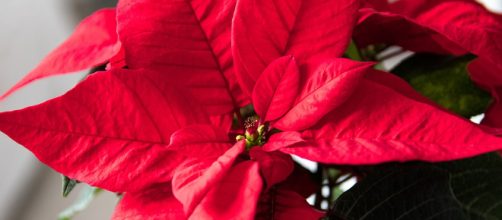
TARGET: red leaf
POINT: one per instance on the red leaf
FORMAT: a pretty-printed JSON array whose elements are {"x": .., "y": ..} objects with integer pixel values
[
  {"x": 155, "y": 203},
  {"x": 275, "y": 166},
  {"x": 276, "y": 89},
  {"x": 380, "y": 27},
  {"x": 235, "y": 197},
  {"x": 489, "y": 77},
  {"x": 203, "y": 171},
  {"x": 112, "y": 130},
  {"x": 264, "y": 30},
  {"x": 301, "y": 181},
  {"x": 292, "y": 206},
  {"x": 466, "y": 24},
  {"x": 493, "y": 113},
  {"x": 281, "y": 139},
  {"x": 330, "y": 85},
  {"x": 222, "y": 121},
  {"x": 93, "y": 42},
  {"x": 399, "y": 85},
  {"x": 283, "y": 204},
  {"x": 484, "y": 74},
  {"x": 198, "y": 134},
  {"x": 189, "y": 40},
  {"x": 377, "y": 124}
]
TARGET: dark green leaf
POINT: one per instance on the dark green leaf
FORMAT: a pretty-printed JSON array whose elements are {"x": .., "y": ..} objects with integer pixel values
[
  {"x": 352, "y": 52},
  {"x": 464, "y": 189},
  {"x": 68, "y": 185},
  {"x": 445, "y": 80}
]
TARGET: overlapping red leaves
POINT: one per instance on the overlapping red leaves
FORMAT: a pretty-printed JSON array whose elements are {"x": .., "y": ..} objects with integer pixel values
[{"x": 157, "y": 123}]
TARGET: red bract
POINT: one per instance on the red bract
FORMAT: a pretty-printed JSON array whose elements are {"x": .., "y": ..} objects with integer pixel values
[
  {"x": 93, "y": 43},
  {"x": 380, "y": 118},
  {"x": 188, "y": 40},
  {"x": 116, "y": 142},
  {"x": 198, "y": 55},
  {"x": 266, "y": 30},
  {"x": 199, "y": 183},
  {"x": 489, "y": 78},
  {"x": 446, "y": 26},
  {"x": 365, "y": 119},
  {"x": 147, "y": 205},
  {"x": 159, "y": 130}
]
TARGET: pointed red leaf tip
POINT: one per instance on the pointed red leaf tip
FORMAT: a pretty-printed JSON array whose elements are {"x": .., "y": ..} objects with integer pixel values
[
  {"x": 236, "y": 196},
  {"x": 379, "y": 124},
  {"x": 151, "y": 204},
  {"x": 206, "y": 164},
  {"x": 276, "y": 89},
  {"x": 264, "y": 30},
  {"x": 189, "y": 40},
  {"x": 93, "y": 42},
  {"x": 327, "y": 87},
  {"x": 112, "y": 130},
  {"x": 399, "y": 85},
  {"x": 284, "y": 205},
  {"x": 275, "y": 167},
  {"x": 208, "y": 156}
]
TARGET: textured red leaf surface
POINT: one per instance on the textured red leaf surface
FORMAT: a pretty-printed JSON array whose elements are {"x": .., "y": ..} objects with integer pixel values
[
  {"x": 235, "y": 197},
  {"x": 275, "y": 166},
  {"x": 198, "y": 175},
  {"x": 365, "y": 130},
  {"x": 276, "y": 89},
  {"x": 195, "y": 134},
  {"x": 120, "y": 142},
  {"x": 283, "y": 204},
  {"x": 93, "y": 42},
  {"x": 282, "y": 139},
  {"x": 155, "y": 203},
  {"x": 329, "y": 86},
  {"x": 469, "y": 26},
  {"x": 264, "y": 30},
  {"x": 189, "y": 40}
]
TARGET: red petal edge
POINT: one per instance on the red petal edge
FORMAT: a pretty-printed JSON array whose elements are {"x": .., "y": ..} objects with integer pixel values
[
  {"x": 276, "y": 89},
  {"x": 119, "y": 143},
  {"x": 155, "y": 203},
  {"x": 93, "y": 42},
  {"x": 236, "y": 197}
]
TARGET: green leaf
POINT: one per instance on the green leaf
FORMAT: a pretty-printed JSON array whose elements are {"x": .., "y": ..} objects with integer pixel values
[
  {"x": 85, "y": 198},
  {"x": 464, "y": 189},
  {"x": 68, "y": 185},
  {"x": 445, "y": 80},
  {"x": 352, "y": 52}
]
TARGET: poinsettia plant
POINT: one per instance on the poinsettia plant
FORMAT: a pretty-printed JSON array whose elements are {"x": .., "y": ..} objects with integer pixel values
[{"x": 197, "y": 109}]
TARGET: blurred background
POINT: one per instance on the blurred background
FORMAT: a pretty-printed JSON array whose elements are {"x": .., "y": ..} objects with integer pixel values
[{"x": 28, "y": 31}]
